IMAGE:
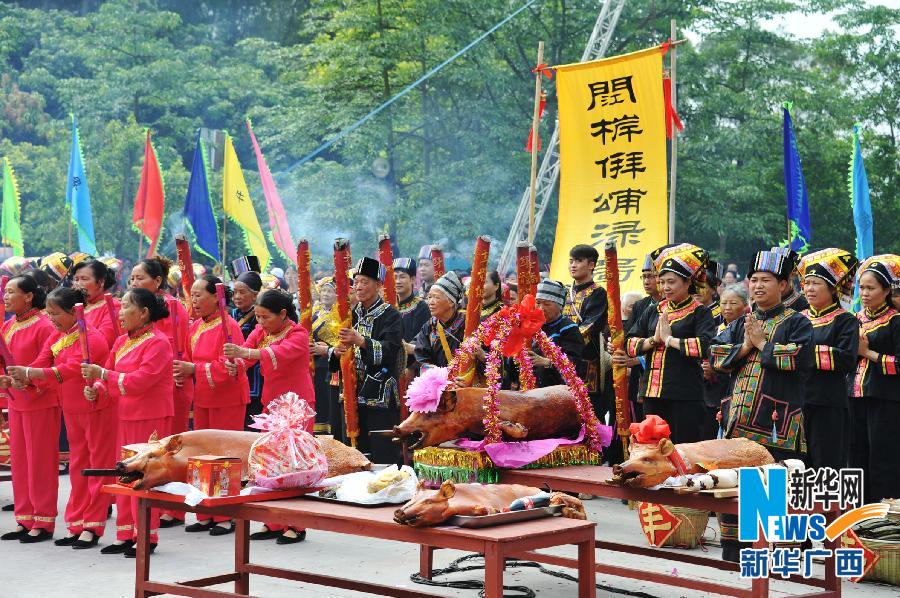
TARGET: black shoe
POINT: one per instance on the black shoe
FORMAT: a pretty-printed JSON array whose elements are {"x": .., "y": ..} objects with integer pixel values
[
  {"x": 117, "y": 548},
  {"x": 67, "y": 541},
  {"x": 219, "y": 530},
  {"x": 80, "y": 544},
  {"x": 132, "y": 552},
  {"x": 265, "y": 534},
  {"x": 282, "y": 539},
  {"x": 167, "y": 523},
  {"x": 199, "y": 527},
  {"x": 40, "y": 537},
  {"x": 14, "y": 535},
  {"x": 9, "y": 507}
]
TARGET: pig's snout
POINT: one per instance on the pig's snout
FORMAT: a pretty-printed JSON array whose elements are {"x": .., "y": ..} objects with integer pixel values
[{"x": 617, "y": 470}]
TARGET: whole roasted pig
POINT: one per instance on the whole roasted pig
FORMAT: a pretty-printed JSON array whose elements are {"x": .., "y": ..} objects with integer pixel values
[
  {"x": 166, "y": 460},
  {"x": 431, "y": 507},
  {"x": 548, "y": 412},
  {"x": 651, "y": 464}
]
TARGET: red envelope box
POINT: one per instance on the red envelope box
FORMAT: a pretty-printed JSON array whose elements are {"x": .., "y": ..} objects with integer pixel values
[{"x": 215, "y": 475}]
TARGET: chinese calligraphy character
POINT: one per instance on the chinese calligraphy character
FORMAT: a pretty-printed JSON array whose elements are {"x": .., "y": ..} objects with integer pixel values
[
  {"x": 76, "y": 182},
  {"x": 624, "y": 233},
  {"x": 653, "y": 522},
  {"x": 624, "y": 126},
  {"x": 851, "y": 488},
  {"x": 800, "y": 487},
  {"x": 239, "y": 195},
  {"x": 809, "y": 555},
  {"x": 849, "y": 562},
  {"x": 625, "y": 200},
  {"x": 626, "y": 268},
  {"x": 609, "y": 92},
  {"x": 622, "y": 163},
  {"x": 785, "y": 561},
  {"x": 754, "y": 563},
  {"x": 827, "y": 487}
]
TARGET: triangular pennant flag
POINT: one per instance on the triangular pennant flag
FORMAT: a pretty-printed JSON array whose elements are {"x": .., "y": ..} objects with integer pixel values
[
  {"x": 150, "y": 201},
  {"x": 198, "y": 210},
  {"x": 278, "y": 221},
  {"x": 239, "y": 207},
  {"x": 78, "y": 197},
  {"x": 11, "y": 225}
]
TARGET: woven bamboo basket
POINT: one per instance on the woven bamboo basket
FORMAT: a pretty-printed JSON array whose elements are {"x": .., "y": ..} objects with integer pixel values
[
  {"x": 887, "y": 568},
  {"x": 693, "y": 524}
]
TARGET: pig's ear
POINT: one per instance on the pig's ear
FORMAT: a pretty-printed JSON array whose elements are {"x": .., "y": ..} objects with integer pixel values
[
  {"x": 174, "y": 444},
  {"x": 666, "y": 447},
  {"x": 153, "y": 437},
  {"x": 448, "y": 401},
  {"x": 447, "y": 489}
]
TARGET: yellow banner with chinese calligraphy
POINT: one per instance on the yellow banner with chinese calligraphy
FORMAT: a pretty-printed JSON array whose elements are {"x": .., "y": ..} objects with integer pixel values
[{"x": 612, "y": 139}]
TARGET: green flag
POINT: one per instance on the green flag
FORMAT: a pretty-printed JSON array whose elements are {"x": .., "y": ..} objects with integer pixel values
[{"x": 10, "y": 227}]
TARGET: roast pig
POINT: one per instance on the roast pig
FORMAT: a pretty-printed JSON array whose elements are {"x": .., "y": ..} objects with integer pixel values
[
  {"x": 548, "y": 412},
  {"x": 165, "y": 460},
  {"x": 431, "y": 507},
  {"x": 649, "y": 464}
]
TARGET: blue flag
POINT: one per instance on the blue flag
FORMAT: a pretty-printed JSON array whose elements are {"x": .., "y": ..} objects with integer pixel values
[
  {"x": 862, "y": 208},
  {"x": 795, "y": 189},
  {"x": 78, "y": 198},
  {"x": 198, "y": 211}
]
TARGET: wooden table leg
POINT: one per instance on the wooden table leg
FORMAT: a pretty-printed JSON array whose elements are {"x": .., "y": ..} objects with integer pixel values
[
  {"x": 759, "y": 587},
  {"x": 242, "y": 556},
  {"x": 142, "y": 561},
  {"x": 587, "y": 574},
  {"x": 832, "y": 581},
  {"x": 426, "y": 561},
  {"x": 493, "y": 570}
]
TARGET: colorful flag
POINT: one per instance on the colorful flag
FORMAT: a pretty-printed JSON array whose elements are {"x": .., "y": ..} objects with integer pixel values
[
  {"x": 862, "y": 208},
  {"x": 239, "y": 207},
  {"x": 280, "y": 233},
  {"x": 150, "y": 201},
  {"x": 11, "y": 226},
  {"x": 78, "y": 197},
  {"x": 198, "y": 209},
  {"x": 795, "y": 189}
]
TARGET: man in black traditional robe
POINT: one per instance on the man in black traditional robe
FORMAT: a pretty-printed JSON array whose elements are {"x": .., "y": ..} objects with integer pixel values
[
  {"x": 377, "y": 339},
  {"x": 765, "y": 352}
]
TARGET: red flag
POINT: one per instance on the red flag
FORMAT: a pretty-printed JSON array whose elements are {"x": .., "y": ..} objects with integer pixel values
[
  {"x": 543, "y": 105},
  {"x": 149, "y": 204},
  {"x": 671, "y": 115}
]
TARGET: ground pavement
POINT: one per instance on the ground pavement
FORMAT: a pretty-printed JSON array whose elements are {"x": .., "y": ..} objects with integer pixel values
[{"x": 48, "y": 571}]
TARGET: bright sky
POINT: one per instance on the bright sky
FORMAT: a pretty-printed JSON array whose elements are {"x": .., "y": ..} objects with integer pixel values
[{"x": 806, "y": 26}]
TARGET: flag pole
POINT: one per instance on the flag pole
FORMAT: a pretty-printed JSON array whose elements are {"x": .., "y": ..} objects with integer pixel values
[
  {"x": 224, "y": 240},
  {"x": 674, "y": 153},
  {"x": 535, "y": 121},
  {"x": 69, "y": 243}
]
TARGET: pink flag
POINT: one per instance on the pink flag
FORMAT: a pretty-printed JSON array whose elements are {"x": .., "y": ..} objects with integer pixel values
[{"x": 278, "y": 222}]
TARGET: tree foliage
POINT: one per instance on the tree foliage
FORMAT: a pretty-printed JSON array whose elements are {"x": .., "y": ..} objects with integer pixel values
[{"x": 303, "y": 70}]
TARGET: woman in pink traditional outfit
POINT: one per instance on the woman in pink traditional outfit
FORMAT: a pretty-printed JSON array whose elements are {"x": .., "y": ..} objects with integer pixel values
[
  {"x": 282, "y": 348},
  {"x": 34, "y": 418},
  {"x": 136, "y": 374},
  {"x": 95, "y": 278},
  {"x": 90, "y": 426},
  {"x": 152, "y": 274},
  {"x": 220, "y": 396}
]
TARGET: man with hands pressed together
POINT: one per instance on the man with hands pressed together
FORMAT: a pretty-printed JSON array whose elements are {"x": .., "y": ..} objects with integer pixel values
[
  {"x": 766, "y": 352},
  {"x": 376, "y": 338}
]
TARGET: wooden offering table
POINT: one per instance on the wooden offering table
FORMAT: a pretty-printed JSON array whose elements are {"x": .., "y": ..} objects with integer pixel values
[
  {"x": 495, "y": 543},
  {"x": 593, "y": 480}
]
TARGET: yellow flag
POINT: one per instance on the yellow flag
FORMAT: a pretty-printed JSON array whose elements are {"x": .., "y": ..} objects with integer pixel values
[
  {"x": 239, "y": 207},
  {"x": 612, "y": 162}
]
